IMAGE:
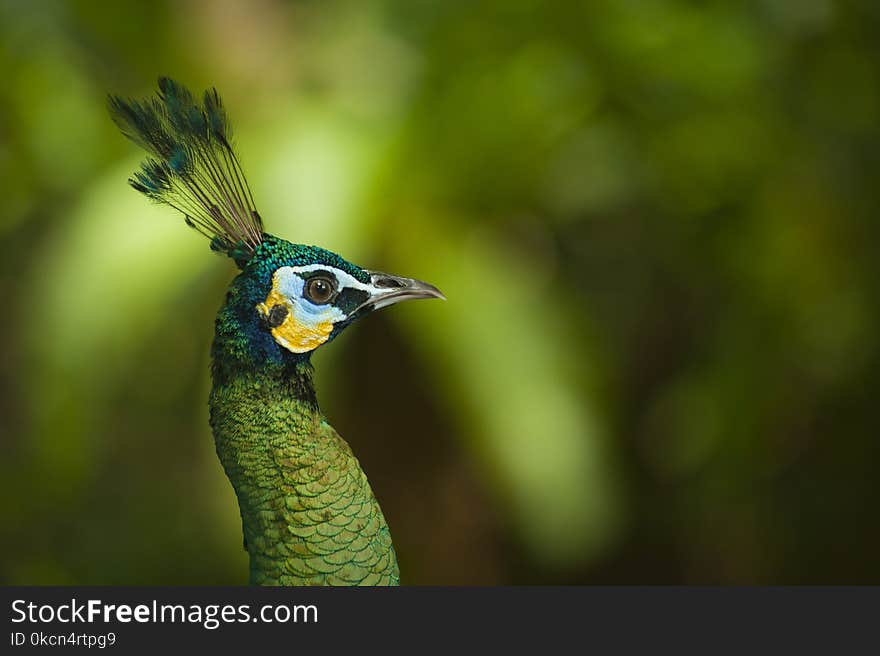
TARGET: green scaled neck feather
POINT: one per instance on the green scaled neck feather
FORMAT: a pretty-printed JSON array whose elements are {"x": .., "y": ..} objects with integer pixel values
[{"x": 308, "y": 513}]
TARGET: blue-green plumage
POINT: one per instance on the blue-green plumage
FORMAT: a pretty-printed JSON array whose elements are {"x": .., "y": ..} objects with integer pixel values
[{"x": 308, "y": 513}]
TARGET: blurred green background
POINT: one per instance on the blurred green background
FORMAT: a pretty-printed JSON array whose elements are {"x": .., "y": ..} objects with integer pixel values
[{"x": 655, "y": 221}]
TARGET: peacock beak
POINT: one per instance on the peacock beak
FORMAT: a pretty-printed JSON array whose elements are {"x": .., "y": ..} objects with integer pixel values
[{"x": 388, "y": 290}]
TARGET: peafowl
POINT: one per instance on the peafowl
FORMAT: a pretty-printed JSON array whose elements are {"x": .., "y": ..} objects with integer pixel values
[{"x": 308, "y": 514}]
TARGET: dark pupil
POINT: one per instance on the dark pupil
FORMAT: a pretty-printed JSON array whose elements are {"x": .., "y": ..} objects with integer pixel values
[{"x": 319, "y": 290}]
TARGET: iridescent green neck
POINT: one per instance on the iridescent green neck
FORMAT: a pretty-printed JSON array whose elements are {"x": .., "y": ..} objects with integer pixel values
[{"x": 255, "y": 417}]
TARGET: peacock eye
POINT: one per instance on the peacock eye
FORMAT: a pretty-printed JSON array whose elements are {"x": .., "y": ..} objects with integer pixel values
[{"x": 319, "y": 290}]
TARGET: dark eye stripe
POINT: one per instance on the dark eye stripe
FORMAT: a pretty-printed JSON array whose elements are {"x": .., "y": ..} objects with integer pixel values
[
  {"x": 349, "y": 298},
  {"x": 306, "y": 275}
]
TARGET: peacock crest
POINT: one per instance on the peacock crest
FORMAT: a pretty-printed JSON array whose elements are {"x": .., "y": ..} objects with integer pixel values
[{"x": 192, "y": 165}]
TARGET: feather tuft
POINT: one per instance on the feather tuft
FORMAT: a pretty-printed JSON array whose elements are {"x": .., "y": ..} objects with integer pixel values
[{"x": 192, "y": 166}]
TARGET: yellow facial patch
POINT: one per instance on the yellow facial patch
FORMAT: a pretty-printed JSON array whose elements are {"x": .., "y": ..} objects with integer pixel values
[{"x": 300, "y": 332}]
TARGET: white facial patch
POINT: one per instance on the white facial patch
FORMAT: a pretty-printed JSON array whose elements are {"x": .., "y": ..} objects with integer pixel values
[{"x": 306, "y": 325}]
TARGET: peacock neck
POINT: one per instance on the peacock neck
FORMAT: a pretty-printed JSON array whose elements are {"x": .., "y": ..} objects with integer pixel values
[
  {"x": 255, "y": 416},
  {"x": 308, "y": 514}
]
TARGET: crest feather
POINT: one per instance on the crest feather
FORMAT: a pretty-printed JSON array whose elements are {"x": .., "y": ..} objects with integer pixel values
[{"x": 191, "y": 165}]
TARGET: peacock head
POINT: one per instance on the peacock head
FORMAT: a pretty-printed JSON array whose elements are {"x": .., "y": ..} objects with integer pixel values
[
  {"x": 312, "y": 294},
  {"x": 289, "y": 298}
]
